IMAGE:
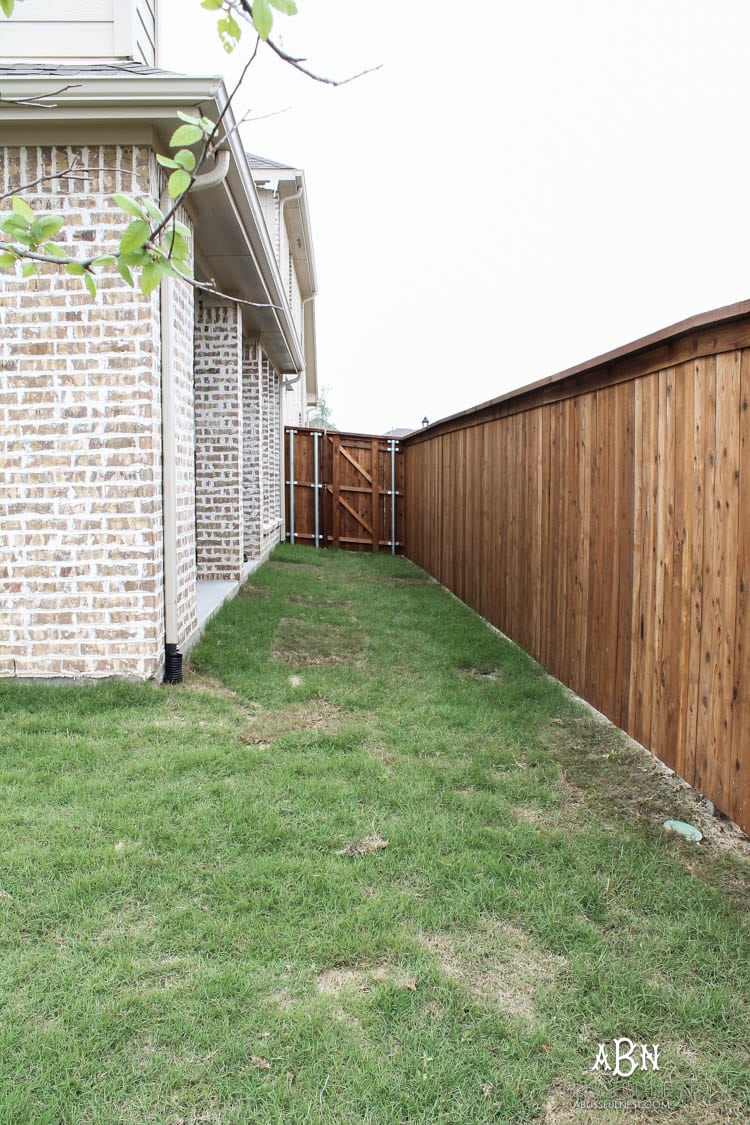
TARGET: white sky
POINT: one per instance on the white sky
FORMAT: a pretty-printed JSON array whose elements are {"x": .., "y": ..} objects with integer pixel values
[{"x": 522, "y": 185}]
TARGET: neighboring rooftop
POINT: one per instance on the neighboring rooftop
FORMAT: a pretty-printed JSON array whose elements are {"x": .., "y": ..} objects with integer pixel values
[{"x": 262, "y": 163}]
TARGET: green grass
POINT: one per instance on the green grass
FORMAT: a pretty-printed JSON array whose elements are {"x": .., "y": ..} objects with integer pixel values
[{"x": 182, "y": 943}]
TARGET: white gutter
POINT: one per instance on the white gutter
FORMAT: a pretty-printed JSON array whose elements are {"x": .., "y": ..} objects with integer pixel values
[{"x": 169, "y": 440}]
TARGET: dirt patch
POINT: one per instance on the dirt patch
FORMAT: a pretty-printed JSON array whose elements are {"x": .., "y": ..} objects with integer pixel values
[
  {"x": 313, "y": 643},
  {"x": 332, "y": 982},
  {"x": 359, "y": 848},
  {"x": 297, "y": 568},
  {"x": 267, "y": 727},
  {"x": 491, "y": 675},
  {"x": 251, "y": 590},
  {"x": 559, "y": 818},
  {"x": 207, "y": 685},
  {"x": 317, "y": 603},
  {"x": 498, "y": 964}
]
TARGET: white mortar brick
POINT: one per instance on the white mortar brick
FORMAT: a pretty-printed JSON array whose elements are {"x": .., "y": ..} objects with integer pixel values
[{"x": 80, "y": 443}]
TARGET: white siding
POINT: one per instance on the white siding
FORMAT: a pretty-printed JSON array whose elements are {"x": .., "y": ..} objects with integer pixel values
[{"x": 81, "y": 29}]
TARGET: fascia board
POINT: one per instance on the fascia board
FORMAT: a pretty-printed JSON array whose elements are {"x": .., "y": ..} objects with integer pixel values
[{"x": 66, "y": 92}]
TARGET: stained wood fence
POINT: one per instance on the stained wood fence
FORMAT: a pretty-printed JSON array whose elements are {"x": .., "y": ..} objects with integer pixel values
[
  {"x": 344, "y": 490},
  {"x": 602, "y": 520}
]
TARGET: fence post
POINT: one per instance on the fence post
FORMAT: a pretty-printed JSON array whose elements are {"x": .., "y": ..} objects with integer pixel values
[
  {"x": 393, "y": 497},
  {"x": 316, "y": 486},
  {"x": 291, "y": 485}
]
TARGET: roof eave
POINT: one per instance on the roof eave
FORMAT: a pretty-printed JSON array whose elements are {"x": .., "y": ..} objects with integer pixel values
[{"x": 153, "y": 100}]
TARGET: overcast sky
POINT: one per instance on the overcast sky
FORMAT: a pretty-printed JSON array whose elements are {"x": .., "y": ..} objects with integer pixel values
[{"x": 509, "y": 194}]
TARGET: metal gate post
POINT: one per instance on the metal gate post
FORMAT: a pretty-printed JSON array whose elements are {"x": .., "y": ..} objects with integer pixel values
[
  {"x": 291, "y": 485},
  {"x": 316, "y": 486},
  {"x": 393, "y": 497}
]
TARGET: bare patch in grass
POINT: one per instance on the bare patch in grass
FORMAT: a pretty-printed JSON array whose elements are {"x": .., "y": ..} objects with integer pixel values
[
  {"x": 254, "y": 591},
  {"x": 498, "y": 964},
  {"x": 562, "y": 818},
  {"x": 207, "y": 685},
  {"x": 488, "y": 675},
  {"x": 312, "y": 643},
  {"x": 359, "y": 848},
  {"x": 332, "y": 982},
  {"x": 297, "y": 568},
  {"x": 317, "y": 603},
  {"x": 269, "y": 726}
]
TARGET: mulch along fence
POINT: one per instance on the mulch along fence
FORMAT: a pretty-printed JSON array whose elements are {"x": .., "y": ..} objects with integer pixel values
[{"x": 602, "y": 520}]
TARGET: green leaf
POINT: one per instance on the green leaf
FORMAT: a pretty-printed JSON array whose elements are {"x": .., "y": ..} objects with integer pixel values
[
  {"x": 54, "y": 250},
  {"x": 288, "y": 7},
  {"x": 183, "y": 269},
  {"x": 212, "y": 5},
  {"x": 190, "y": 118},
  {"x": 135, "y": 235},
  {"x": 230, "y": 32},
  {"x": 75, "y": 269},
  {"x": 14, "y": 225},
  {"x": 135, "y": 257},
  {"x": 125, "y": 274},
  {"x": 176, "y": 246},
  {"x": 154, "y": 211},
  {"x": 90, "y": 284},
  {"x": 151, "y": 276},
  {"x": 30, "y": 269},
  {"x": 7, "y": 261},
  {"x": 262, "y": 18},
  {"x": 186, "y": 135},
  {"x": 167, "y": 161},
  {"x": 179, "y": 182},
  {"x": 47, "y": 227},
  {"x": 128, "y": 205},
  {"x": 183, "y": 230},
  {"x": 7, "y": 7},
  {"x": 105, "y": 260},
  {"x": 185, "y": 159},
  {"x": 22, "y": 210}
]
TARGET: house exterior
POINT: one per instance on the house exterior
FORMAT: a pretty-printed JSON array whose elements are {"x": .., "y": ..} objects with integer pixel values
[{"x": 140, "y": 436}]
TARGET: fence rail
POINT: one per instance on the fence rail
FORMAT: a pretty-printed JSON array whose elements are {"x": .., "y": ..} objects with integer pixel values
[
  {"x": 344, "y": 490},
  {"x": 602, "y": 520}
]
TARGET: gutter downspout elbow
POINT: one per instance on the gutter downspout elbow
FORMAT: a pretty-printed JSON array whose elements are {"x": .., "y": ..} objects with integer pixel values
[{"x": 216, "y": 176}]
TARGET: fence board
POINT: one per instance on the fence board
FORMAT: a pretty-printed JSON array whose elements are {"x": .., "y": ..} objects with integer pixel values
[{"x": 604, "y": 524}]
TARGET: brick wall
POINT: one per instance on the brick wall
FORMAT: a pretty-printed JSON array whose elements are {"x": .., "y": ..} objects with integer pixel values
[
  {"x": 261, "y": 452},
  {"x": 81, "y": 572},
  {"x": 219, "y": 440}
]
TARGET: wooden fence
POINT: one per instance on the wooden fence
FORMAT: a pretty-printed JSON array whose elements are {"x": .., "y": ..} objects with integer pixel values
[
  {"x": 602, "y": 520},
  {"x": 344, "y": 490}
]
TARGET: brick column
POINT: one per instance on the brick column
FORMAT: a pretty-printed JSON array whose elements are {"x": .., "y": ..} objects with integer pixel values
[
  {"x": 218, "y": 440},
  {"x": 81, "y": 575}
]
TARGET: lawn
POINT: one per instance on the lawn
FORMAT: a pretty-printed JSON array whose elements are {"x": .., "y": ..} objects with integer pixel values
[{"x": 369, "y": 864}]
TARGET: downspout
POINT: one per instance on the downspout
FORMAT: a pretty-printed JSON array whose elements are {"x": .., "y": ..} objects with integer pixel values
[
  {"x": 291, "y": 199},
  {"x": 291, "y": 382},
  {"x": 172, "y": 655}
]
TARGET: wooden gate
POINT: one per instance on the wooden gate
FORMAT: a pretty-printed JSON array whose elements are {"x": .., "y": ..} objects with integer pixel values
[{"x": 344, "y": 490}]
